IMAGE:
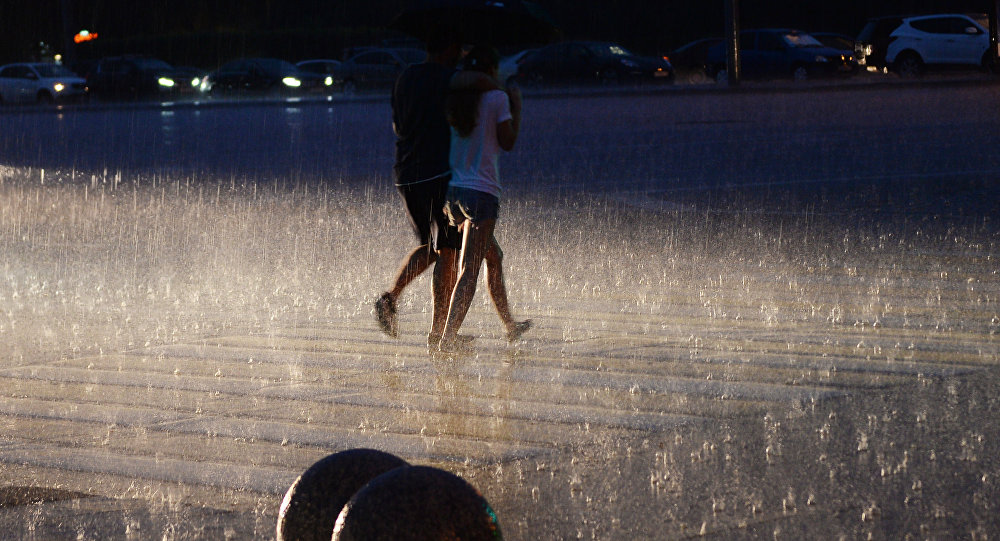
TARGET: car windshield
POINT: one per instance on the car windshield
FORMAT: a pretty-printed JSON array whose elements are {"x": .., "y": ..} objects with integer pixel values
[
  {"x": 412, "y": 56},
  {"x": 274, "y": 65},
  {"x": 609, "y": 50},
  {"x": 152, "y": 64},
  {"x": 53, "y": 70},
  {"x": 801, "y": 40}
]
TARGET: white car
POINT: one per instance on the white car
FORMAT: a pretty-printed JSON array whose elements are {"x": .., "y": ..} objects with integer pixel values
[
  {"x": 952, "y": 39},
  {"x": 36, "y": 82}
]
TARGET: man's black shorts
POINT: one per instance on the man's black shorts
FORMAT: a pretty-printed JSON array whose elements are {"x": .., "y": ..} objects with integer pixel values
[{"x": 424, "y": 202}]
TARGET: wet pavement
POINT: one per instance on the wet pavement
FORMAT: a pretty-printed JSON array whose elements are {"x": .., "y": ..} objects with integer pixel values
[{"x": 782, "y": 343}]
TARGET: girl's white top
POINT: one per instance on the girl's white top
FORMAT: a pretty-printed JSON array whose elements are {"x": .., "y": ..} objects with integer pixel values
[{"x": 474, "y": 158}]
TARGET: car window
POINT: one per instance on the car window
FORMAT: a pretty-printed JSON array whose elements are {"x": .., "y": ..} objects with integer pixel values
[
  {"x": 374, "y": 58},
  {"x": 412, "y": 56},
  {"x": 53, "y": 70},
  {"x": 275, "y": 65},
  {"x": 21, "y": 72},
  {"x": 767, "y": 41},
  {"x": 237, "y": 66},
  {"x": 151, "y": 64},
  {"x": 961, "y": 25},
  {"x": 796, "y": 39},
  {"x": 942, "y": 25}
]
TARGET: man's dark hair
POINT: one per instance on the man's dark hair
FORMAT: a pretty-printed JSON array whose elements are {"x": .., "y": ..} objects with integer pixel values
[{"x": 441, "y": 38}]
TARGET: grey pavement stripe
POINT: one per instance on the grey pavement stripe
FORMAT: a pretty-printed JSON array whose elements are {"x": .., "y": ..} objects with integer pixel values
[
  {"x": 232, "y": 385},
  {"x": 410, "y": 447},
  {"x": 233, "y": 476},
  {"x": 547, "y": 412},
  {"x": 816, "y": 362},
  {"x": 406, "y": 445},
  {"x": 638, "y": 383},
  {"x": 74, "y": 411}
]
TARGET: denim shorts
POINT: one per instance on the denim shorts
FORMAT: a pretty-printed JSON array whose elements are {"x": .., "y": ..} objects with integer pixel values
[{"x": 473, "y": 205}]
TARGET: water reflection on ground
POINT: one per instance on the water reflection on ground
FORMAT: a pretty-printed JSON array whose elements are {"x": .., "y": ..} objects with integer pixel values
[{"x": 744, "y": 330}]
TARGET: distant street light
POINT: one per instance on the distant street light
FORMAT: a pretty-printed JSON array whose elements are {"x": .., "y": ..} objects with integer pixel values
[{"x": 84, "y": 35}]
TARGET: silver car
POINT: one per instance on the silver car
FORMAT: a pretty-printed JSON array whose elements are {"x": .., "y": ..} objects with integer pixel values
[
  {"x": 951, "y": 39},
  {"x": 36, "y": 82}
]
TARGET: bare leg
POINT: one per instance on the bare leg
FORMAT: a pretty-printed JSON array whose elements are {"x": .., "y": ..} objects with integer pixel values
[
  {"x": 445, "y": 274},
  {"x": 413, "y": 265},
  {"x": 498, "y": 292},
  {"x": 495, "y": 281},
  {"x": 476, "y": 240}
]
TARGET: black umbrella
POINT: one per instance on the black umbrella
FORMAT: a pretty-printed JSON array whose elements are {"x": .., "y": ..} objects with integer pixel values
[{"x": 494, "y": 22}]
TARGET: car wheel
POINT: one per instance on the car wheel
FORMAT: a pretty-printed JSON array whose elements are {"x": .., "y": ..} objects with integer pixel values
[
  {"x": 721, "y": 76},
  {"x": 908, "y": 65},
  {"x": 800, "y": 73},
  {"x": 608, "y": 77},
  {"x": 44, "y": 98},
  {"x": 990, "y": 63}
]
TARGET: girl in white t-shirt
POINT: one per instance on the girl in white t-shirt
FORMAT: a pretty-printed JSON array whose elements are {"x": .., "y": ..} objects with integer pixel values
[{"x": 482, "y": 125}]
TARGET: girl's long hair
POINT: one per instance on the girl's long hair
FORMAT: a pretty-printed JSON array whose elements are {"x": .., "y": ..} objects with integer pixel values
[{"x": 463, "y": 104}]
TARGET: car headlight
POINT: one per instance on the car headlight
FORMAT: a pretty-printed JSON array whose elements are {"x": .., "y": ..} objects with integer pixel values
[
  {"x": 195, "y": 82},
  {"x": 165, "y": 82},
  {"x": 328, "y": 81},
  {"x": 58, "y": 87},
  {"x": 291, "y": 82},
  {"x": 822, "y": 59}
]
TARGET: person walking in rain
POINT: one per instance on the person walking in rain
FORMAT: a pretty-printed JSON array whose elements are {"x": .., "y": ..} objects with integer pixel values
[
  {"x": 422, "y": 172},
  {"x": 482, "y": 125}
]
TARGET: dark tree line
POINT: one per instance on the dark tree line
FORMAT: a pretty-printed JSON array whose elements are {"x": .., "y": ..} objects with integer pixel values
[{"x": 205, "y": 32}]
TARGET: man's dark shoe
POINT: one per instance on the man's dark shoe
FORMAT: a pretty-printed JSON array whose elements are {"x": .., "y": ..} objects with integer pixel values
[
  {"x": 520, "y": 328},
  {"x": 385, "y": 313}
]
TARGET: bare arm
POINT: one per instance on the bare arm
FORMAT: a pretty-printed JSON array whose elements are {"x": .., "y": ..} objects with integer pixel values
[{"x": 507, "y": 131}]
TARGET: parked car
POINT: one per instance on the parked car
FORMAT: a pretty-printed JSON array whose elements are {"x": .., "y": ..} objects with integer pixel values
[
  {"x": 39, "y": 83},
  {"x": 689, "y": 59},
  {"x": 833, "y": 40},
  {"x": 781, "y": 53},
  {"x": 188, "y": 78},
  {"x": 873, "y": 40},
  {"x": 592, "y": 61},
  {"x": 133, "y": 77},
  {"x": 951, "y": 39},
  {"x": 321, "y": 68},
  {"x": 376, "y": 67},
  {"x": 262, "y": 76},
  {"x": 509, "y": 65}
]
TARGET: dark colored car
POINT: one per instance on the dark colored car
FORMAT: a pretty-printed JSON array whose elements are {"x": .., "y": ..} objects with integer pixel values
[
  {"x": 590, "y": 62},
  {"x": 834, "y": 40},
  {"x": 134, "y": 77},
  {"x": 376, "y": 67},
  {"x": 262, "y": 76},
  {"x": 688, "y": 60},
  {"x": 781, "y": 53},
  {"x": 873, "y": 40}
]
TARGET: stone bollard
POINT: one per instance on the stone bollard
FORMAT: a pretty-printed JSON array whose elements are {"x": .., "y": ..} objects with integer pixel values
[
  {"x": 313, "y": 502},
  {"x": 417, "y": 503}
]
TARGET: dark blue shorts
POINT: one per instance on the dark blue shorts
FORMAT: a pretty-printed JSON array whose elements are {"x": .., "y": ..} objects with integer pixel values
[{"x": 473, "y": 205}]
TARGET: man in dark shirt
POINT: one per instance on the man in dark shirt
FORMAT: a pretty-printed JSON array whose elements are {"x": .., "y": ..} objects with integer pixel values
[{"x": 422, "y": 174}]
